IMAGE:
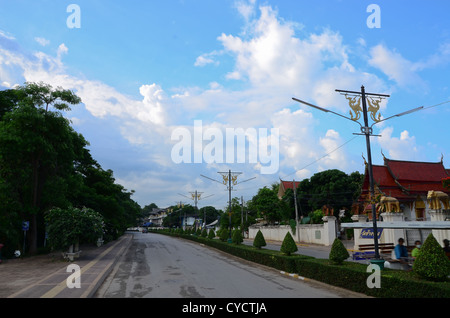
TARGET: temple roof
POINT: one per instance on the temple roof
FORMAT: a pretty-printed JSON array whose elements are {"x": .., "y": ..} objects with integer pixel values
[
  {"x": 405, "y": 180},
  {"x": 284, "y": 185}
]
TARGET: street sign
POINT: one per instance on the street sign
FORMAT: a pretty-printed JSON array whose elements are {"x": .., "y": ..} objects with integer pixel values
[
  {"x": 25, "y": 225},
  {"x": 367, "y": 233}
]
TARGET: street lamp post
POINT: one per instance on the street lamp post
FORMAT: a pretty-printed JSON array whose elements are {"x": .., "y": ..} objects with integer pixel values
[
  {"x": 367, "y": 131},
  {"x": 229, "y": 180},
  {"x": 355, "y": 105}
]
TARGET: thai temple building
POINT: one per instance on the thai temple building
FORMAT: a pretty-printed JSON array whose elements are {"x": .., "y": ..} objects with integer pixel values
[
  {"x": 406, "y": 191},
  {"x": 404, "y": 186}
]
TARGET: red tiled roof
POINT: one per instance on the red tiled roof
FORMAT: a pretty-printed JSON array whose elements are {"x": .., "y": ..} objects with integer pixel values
[
  {"x": 416, "y": 171},
  {"x": 289, "y": 184},
  {"x": 405, "y": 180}
]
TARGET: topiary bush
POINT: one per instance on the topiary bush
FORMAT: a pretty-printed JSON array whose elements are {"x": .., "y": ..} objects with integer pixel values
[
  {"x": 432, "y": 263},
  {"x": 211, "y": 234},
  {"x": 236, "y": 238},
  {"x": 204, "y": 233},
  {"x": 223, "y": 236},
  {"x": 338, "y": 253},
  {"x": 259, "y": 240},
  {"x": 288, "y": 246}
]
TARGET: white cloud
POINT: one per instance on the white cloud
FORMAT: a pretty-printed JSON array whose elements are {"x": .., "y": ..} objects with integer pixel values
[
  {"x": 207, "y": 58},
  {"x": 395, "y": 66},
  {"x": 403, "y": 147},
  {"x": 272, "y": 65},
  {"x": 42, "y": 41},
  {"x": 246, "y": 8},
  {"x": 336, "y": 157}
]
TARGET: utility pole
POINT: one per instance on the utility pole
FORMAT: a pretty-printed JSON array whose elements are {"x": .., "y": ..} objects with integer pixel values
[
  {"x": 374, "y": 105},
  {"x": 195, "y": 196},
  {"x": 367, "y": 131},
  {"x": 229, "y": 180},
  {"x": 180, "y": 206},
  {"x": 296, "y": 210}
]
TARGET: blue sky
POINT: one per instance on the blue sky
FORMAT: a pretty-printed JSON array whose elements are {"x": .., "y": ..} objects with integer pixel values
[{"x": 145, "y": 68}]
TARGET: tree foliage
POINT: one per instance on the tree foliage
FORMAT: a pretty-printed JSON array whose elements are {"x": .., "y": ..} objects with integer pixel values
[
  {"x": 338, "y": 253},
  {"x": 432, "y": 263},
  {"x": 45, "y": 163},
  {"x": 259, "y": 240},
  {"x": 288, "y": 245},
  {"x": 72, "y": 225},
  {"x": 236, "y": 237},
  {"x": 332, "y": 188},
  {"x": 211, "y": 234}
]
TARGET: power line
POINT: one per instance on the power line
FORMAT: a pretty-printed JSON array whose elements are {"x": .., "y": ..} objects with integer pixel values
[
  {"x": 324, "y": 156},
  {"x": 437, "y": 104}
]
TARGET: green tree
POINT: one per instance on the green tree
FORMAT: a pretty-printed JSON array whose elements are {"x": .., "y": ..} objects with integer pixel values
[
  {"x": 237, "y": 237},
  {"x": 223, "y": 234},
  {"x": 44, "y": 163},
  {"x": 69, "y": 226},
  {"x": 316, "y": 217},
  {"x": 259, "y": 240},
  {"x": 432, "y": 263},
  {"x": 266, "y": 204},
  {"x": 338, "y": 253},
  {"x": 37, "y": 150},
  {"x": 288, "y": 246},
  {"x": 331, "y": 187},
  {"x": 99, "y": 191},
  {"x": 211, "y": 234}
]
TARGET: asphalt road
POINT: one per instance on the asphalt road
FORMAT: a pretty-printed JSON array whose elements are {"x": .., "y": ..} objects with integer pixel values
[{"x": 159, "y": 266}]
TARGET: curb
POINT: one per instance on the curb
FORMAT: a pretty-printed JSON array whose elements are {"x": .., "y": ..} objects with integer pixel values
[
  {"x": 294, "y": 275},
  {"x": 101, "y": 278}
]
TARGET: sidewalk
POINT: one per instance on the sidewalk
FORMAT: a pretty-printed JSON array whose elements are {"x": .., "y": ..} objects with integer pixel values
[{"x": 47, "y": 276}]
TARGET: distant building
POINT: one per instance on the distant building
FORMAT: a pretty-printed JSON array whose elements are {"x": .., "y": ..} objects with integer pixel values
[
  {"x": 157, "y": 216},
  {"x": 284, "y": 185}
]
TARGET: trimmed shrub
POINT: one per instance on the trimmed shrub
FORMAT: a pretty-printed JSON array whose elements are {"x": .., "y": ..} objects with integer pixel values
[
  {"x": 338, "y": 253},
  {"x": 237, "y": 237},
  {"x": 288, "y": 246},
  {"x": 211, "y": 234},
  {"x": 223, "y": 236},
  {"x": 259, "y": 240},
  {"x": 432, "y": 263},
  {"x": 204, "y": 233}
]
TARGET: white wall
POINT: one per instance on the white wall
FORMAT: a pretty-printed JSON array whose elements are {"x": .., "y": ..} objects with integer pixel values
[{"x": 322, "y": 234}]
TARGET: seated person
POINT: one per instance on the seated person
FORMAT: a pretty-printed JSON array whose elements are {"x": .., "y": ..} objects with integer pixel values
[
  {"x": 400, "y": 252},
  {"x": 416, "y": 250},
  {"x": 447, "y": 248}
]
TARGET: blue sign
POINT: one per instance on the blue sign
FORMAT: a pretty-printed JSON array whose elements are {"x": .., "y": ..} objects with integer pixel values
[
  {"x": 367, "y": 233},
  {"x": 25, "y": 225}
]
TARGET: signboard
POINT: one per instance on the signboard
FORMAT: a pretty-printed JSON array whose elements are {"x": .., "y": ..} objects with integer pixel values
[
  {"x": 367, "y": 233},
  {"x": 25, "y": 225}
]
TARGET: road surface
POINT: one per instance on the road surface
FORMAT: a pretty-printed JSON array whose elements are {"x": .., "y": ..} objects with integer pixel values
[{"x": 159, "y": 266}]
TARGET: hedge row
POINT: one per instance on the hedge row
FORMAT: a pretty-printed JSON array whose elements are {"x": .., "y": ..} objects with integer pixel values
[{"x": 352, "y": 276}]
